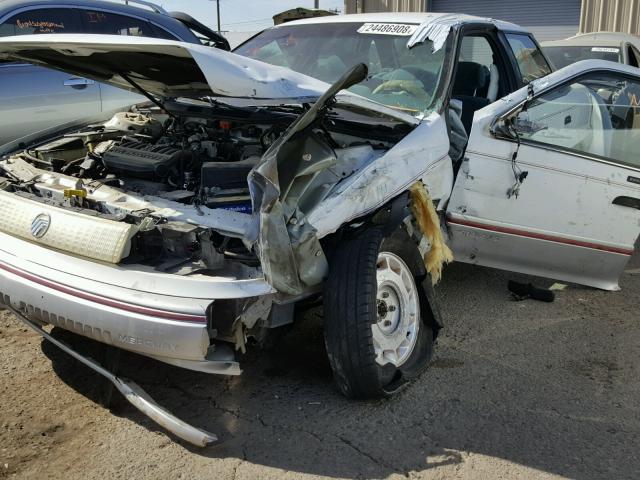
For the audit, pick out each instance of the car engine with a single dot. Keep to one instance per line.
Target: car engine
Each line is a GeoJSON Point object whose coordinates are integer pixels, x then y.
{"type": "Point", "coordinates": [190, 160]}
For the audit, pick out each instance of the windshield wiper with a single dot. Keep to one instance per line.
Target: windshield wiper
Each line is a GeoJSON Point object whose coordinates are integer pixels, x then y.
{"type": "Point", "coordinates": [153, 99]}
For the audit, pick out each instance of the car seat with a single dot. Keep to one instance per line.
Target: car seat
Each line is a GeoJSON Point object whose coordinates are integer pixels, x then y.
{"type": "Point", "coordinates": [470, 87]}
{"type": "Point", "coordinates": [494, 83]}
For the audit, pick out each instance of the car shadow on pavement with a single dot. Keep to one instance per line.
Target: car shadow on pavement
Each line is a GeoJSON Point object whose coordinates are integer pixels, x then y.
{"type": "Point", "coordinates": [522, 382]}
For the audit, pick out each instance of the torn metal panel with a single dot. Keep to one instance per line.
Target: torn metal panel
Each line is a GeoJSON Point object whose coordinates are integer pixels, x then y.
{"type": "Point", "coordinates": [438, 26]}
{"type": "Point", "coordinates": [436, 29]}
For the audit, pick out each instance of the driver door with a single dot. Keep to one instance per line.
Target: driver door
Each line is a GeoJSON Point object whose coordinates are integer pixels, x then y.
{"type": "Point", "coordinates": [550, 183]}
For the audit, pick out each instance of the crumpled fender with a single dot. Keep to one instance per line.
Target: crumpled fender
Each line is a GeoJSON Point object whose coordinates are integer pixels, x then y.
{"type": "Point", "coordinates": [421, 155]}
{"type": "Point", "coordinates": [291, 257]}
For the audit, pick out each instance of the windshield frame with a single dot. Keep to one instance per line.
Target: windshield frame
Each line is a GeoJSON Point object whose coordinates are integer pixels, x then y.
{"type": "Point", "coordinates": [438, 99]}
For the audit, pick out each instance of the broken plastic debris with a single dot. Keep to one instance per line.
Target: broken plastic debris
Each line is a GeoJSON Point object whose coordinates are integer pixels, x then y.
{"type": "Point", "coordinates": [557, 286]}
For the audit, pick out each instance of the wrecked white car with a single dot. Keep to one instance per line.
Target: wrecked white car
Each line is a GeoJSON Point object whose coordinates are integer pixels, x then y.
{"type": "Point", "coordinates": [184, 229]}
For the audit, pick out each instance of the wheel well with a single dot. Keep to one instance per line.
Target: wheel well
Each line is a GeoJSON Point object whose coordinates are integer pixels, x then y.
{"type": "Point", "coordinates": [390, 218]}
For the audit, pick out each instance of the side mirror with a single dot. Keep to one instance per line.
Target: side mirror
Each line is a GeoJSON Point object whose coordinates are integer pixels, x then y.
{"type": "Point", "coordinates": [519, 123]}
{"type": "Point", "coordinates": [503, 127]}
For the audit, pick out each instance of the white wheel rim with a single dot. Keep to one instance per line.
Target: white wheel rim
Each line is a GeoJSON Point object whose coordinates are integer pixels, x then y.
{"type": "Point", "coordinates": [398, 311]}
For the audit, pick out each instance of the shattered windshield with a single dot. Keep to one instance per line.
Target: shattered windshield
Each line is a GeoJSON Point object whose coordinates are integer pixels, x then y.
{"type": "Point", "coordinates": [563, 56]}
{"type": "Point", "coordinates": [399, 77]}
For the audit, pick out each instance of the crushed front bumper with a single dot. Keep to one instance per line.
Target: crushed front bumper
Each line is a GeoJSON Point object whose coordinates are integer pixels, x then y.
{"type": "Point", "coordinates": [162, 316]}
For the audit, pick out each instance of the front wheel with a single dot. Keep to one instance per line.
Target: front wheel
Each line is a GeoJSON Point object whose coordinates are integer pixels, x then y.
{"type": "Point", "coordinates": [375, 332]}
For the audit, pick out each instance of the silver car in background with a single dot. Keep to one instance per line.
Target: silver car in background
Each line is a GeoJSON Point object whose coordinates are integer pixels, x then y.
{"type": "Point", "coordinates": [611, 46]}
{"type": "Point", "coordinates": [33, 98]}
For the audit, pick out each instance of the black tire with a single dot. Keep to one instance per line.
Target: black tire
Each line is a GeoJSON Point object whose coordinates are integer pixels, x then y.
{"type": "Point", "coordinates": [350, 306]}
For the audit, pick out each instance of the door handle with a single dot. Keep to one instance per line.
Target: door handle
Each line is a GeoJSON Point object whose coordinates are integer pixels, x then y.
{"type": "Point", "coordinates": [78, 82]}
{"type": "Point", "coordinates": [630, 202]}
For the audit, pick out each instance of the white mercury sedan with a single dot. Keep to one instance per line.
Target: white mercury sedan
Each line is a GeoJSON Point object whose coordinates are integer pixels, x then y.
{"type": "Point", "coordinates": [340, 159]}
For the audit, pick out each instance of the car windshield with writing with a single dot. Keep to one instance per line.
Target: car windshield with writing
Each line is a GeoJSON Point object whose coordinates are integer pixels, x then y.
{"type": "Point", "coordinates": [400, 77]}
{"type": "Point", "coordinates": [38, 21]}
{"type": "Point", "coordinates": [562, 56]}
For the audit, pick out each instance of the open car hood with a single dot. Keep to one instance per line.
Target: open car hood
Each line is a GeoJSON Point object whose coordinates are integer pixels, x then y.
{"type": "Point", "coordinates": [170, 69]}
{"type": "Point", "coordinates": [164, 68]}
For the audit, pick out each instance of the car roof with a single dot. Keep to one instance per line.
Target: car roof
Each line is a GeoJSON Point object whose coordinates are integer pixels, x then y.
{"type": "Point", "coordinates": [595, 39]}
{"type": "Point", "coordinates": [407, 17]}
{"type": "Point", "coordinates": [7, 7]}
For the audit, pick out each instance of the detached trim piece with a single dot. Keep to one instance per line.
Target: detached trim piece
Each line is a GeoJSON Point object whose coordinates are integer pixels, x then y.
{"type": "Point", "coordinates": [109, 302]}
{"type": "Point", "coordinates": [540, 236]}
{"type": "Point", "coordinates": [132, 392]}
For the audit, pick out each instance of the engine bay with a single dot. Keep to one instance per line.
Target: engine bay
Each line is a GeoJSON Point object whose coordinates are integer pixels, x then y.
{"type": "Point", "coordinates": [180, 178]}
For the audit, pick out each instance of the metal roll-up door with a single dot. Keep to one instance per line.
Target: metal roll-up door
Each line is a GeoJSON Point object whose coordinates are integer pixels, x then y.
{"type": "Point", "coordinates": [546, 19]}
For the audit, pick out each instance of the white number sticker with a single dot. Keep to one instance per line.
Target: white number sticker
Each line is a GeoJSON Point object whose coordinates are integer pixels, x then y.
{"type": "Point", "coordinates": [605, 49]}
{"type": "Point", "coordinates": [388, 29]}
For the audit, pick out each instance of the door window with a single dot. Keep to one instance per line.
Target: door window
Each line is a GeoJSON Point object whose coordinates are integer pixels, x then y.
{"type": "Point", "coordinates": [531, 62]}
{"type": "Point", "coordinates": [114, 24]}
{"type": "Point", "coordinates": [477, 74]}
{"type": "Point", "coordinates": [477, 50]}
{"type": "Point", "coordinates": [596, 115]}
{"type": "Point", "coordinates": [45, 20]}
{"type": "Point", "coordinates": [477, 81]}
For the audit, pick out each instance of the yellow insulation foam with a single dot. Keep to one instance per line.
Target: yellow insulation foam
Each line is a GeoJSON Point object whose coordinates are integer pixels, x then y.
{"type": "Point", "coordinates": [429, 223]}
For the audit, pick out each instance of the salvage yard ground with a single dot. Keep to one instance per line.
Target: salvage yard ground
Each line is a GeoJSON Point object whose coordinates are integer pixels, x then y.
{"type": "Point", "coordinates": [516, 390]}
